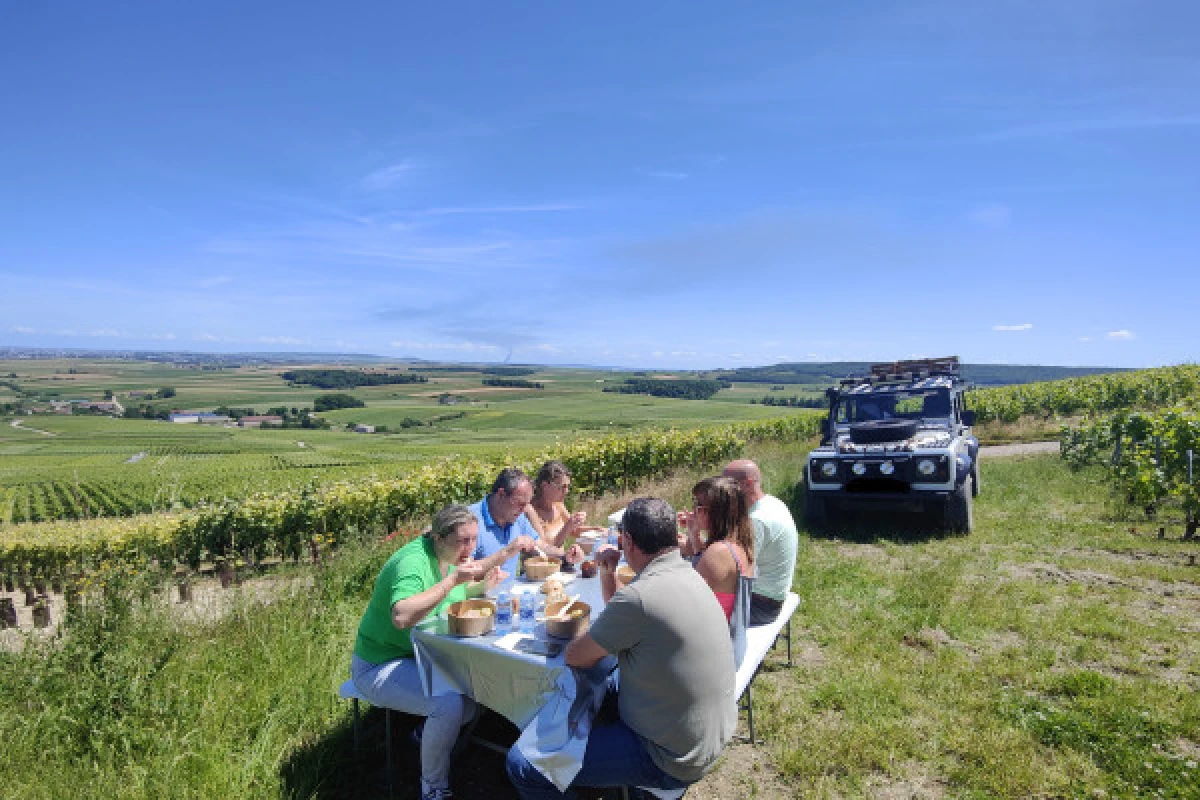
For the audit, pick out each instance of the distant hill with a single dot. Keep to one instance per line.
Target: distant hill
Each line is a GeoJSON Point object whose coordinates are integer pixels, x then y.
{"type": "Point", "coordinates": [830, 371]}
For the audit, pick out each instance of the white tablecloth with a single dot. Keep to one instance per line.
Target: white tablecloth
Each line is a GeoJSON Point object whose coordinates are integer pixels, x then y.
{"type": "Point", "coordinates": [537, 693]}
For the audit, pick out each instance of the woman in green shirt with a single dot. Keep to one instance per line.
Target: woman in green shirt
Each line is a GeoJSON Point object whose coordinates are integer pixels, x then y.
{"type": "Point", "coordinates": [420, 579]}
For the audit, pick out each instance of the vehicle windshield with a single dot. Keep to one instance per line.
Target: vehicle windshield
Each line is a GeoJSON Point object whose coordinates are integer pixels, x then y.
{"type": "Point", "coordinates": [917, 404]}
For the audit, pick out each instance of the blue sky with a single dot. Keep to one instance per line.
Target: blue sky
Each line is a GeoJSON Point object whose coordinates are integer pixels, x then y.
{"type": "Point", "coordinates": [668, 184]}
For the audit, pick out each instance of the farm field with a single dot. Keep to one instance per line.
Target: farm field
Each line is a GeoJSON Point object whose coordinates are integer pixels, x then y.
{"type": "Point", "coordinates": [1053, 653]}
{"type": "Point", "coordinates": [82, 466]}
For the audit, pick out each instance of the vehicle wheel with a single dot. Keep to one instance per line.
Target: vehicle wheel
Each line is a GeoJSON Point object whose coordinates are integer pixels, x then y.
{"type": "Point", "coordinates": [960, 514]}
{"type": "Point", "coordinates": [975, 479]}
{"type": "Point", "coordinates": [815, 515]}
{"type": "Point", "coordinates": [883, 430]}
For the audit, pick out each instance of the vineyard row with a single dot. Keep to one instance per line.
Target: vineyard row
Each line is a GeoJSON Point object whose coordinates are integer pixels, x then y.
{"type": "Point", "coordinates": [1151, 458]}
{"type": "Point", "coordinates": [292, 523]}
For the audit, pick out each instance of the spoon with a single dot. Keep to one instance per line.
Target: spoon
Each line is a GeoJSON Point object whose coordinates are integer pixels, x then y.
{"type": "Point", "coordinates": [562, 612]}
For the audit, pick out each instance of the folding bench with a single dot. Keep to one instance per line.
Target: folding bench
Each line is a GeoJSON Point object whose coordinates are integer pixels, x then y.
{"type": "Point", "coordinates": [759, 641]}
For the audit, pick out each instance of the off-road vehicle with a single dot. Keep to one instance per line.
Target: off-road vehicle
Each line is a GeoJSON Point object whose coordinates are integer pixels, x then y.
{"type": "Point", "coordinates": [898, 439]}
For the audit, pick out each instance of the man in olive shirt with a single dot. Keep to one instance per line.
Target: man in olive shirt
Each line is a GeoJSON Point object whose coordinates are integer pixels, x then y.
{"type": "Point", "coordinates": [676, 701]}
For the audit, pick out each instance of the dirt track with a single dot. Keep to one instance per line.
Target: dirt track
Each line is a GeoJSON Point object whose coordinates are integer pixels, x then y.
{"type": "Point", "coordinates": [1026, 448]}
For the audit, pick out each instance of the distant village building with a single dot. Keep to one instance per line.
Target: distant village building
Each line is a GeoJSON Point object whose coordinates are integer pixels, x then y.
{"type": "Point", "coordinates": [207, 418]}
{"type": "Point", "coordinates": [69, 406]}
{"type": "Point", "coordinates": [364, 428]}
{"type": "Point", "coordinates": [260, 421]}
{"type": "Point", "coordinates": [184, 417]}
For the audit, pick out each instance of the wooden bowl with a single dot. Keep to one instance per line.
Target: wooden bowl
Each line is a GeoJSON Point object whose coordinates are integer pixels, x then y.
{"type": "Point", "coordinates": [471, 617]}
{"type": "Point", "coordinates": [539, 568]}
{"type": "Point", "coordinates": [625, 573]}
{"type": "Point", "coordinates": [571, 627]}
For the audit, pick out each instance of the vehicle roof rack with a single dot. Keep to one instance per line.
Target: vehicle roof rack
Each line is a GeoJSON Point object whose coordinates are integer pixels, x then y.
{"type": "Point", "coordinates": [906, 371]}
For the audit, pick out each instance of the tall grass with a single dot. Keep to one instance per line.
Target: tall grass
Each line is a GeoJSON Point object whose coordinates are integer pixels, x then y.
{"type": "Point", "coordinates": [1052, 653]}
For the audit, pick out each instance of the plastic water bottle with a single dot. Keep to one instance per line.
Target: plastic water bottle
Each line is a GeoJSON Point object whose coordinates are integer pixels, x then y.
{"type": "Point", "coordinates": [526, 620]}
{"type": "Point", "coordinates": [503, 611]}
{"type": "Point", "coordinates": [614, 538]}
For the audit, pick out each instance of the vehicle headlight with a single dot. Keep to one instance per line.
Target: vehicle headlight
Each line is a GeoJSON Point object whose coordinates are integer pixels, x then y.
{"type": "Point", "coordinates": [887, 468]}
{"type": "Point", "coordinates": [927, 466]}
{"type": "Point", "coordinates": [859, 468]}
{"type": "Point", "coordinates": [829, 469]}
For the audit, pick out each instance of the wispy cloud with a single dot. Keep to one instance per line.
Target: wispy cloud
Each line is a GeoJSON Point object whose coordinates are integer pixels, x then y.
{"type": "Point", "coordinates": [1024, 326]}
{"type": "Point", "coordinates": [531, 208]}
{"type": "Point", "coordinates": [1120, 336]}
{"type": "Point", "coordinates": [1086, 125]}
{"type": "Point", "coordinates": [23, 329]}
{"type": "Point", "coordinates": [455, 346]}
{"type": "Point", "coordinates": [206, 337]}
{"type": "Point", "coordinates": [388, 176]}
{"type": "Point", "coordinates": [107, 332]}
{"type": "Point", "coordinates": [279, 340]}
{"type": "Point", "coordinates": [670, 175]}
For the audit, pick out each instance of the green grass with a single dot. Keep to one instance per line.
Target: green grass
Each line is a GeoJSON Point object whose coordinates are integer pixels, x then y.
{"type": "Point", "coordinates": [1052, 653]}
{"type": "Point", "coordinates": [1004, 663]}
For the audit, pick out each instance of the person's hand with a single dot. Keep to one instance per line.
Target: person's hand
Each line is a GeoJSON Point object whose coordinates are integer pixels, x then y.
{"type": "Point", "coordinates": [468, 572]}
{"type": "Point", "coordinates": [575, 554]}
{"type": "Point", "coordinates": [525, 544]}
{"type": "Point", "coordinates": [495, 577]}
{"type": "Point", "coordinates": [683, 518]}
{"type": "Point", "coordinates": [607, 557]}
{"type": "Point", "coordinates": [574, 523]}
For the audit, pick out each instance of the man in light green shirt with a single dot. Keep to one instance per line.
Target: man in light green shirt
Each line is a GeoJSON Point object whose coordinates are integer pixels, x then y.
{"type": "Point", "coordinates": [775, 542]}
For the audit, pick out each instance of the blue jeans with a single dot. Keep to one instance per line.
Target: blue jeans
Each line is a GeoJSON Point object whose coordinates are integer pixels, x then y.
{"type": "Point", "coordinates": [396, 685]}
{"type": "Point", "coordinates": [615, 757]}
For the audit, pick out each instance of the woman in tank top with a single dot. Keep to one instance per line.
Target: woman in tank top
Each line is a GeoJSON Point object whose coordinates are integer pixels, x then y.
{"type": "Point", "coordinates": [547, 512]}
{"type": "Point", "coordinates": [726, 558]}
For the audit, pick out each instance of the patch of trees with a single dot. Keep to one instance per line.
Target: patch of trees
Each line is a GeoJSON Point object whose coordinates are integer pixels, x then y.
{"type": "Point", "coordinates": [679, 388]}
{"type": "Point", "coordinates": [508, 372]}
{"type": "Point", "coordinates": [165, 392]}
{"type": "Point", "coordinates": [828, 373]}
{"type": "Point", "coordinates": [334, 401]}
{"type": "Point", "coordinates": [349, 378]}
{"type": "Point", "coordinates": [513, 383]}
{"type": "Point", "coordinates": [234, 413]}
{"type": "Point", "coordinates": [146, 411]}
{"type": "Point", "coordinates": [296, 417]}
{"type": "Point", "coordinates": [793, 401]}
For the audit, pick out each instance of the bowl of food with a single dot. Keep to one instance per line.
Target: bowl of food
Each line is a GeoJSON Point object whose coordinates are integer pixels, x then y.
{"type": "Point", "coordinates": [625, 573]}
{"type": "Point", "coordinates": [553, 589]}
{"type": "Point", "coordinates": [566, 619]}
{"type": "Point", "coordinates": [471, 617]}
{"type": "Point", "coordinates": [538, 568]}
